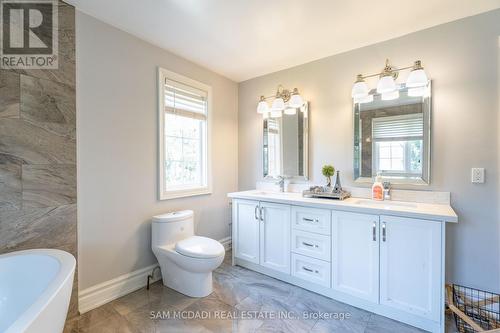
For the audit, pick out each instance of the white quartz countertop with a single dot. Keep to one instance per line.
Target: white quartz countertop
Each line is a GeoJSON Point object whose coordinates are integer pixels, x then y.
{"type": "Point", "coordinates": [430, 211]}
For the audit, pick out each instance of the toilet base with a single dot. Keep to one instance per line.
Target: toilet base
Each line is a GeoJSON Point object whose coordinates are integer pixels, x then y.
{"type": "Point", "coordinates": [187, 283]}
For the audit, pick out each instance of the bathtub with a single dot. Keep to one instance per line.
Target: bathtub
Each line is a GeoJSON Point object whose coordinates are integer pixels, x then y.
{"type": "Point", "coordinates": [35, 288]}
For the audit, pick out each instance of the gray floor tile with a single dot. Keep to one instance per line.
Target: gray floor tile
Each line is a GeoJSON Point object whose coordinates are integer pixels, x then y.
{"type": "Point", "coordinates": [237, 291]}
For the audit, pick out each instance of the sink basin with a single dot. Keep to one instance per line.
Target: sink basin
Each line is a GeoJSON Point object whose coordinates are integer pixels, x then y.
{"type": "Point", "coordinates": [386, 204]}
{"type": "Point", "coordinates": [259, 192]}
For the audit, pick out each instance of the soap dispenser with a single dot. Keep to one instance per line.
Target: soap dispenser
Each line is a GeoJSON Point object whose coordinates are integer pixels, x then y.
{"type": "Point", "coordinates": [378, 188]}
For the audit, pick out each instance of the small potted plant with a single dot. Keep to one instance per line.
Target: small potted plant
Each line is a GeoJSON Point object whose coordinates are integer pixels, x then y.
{"type": "Point", "coordinates": [328, 171]}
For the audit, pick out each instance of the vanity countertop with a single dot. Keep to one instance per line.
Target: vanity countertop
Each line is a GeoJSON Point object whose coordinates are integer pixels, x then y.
{"type": "Point", "coordinates": [442, 212]}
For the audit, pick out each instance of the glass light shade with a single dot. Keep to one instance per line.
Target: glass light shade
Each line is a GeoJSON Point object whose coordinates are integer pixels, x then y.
{"type": "Point", "coordinates": [366, 99]}
{"type": "Point", "coordinates": [390, 95]}
{"type": "Point", "coordinates": [278, 105]}
{"type": "Point", "coordinates": [386, 84]}
{"type": "Point", "coordinates": [290, 111]}
{"type": "Point", "coordinates": [417, 78]}
{"type": "Point", "coordinates": [276, 114]}
{"type": "Point", "coordinates": [416, 92]}
{"type": "Point", "coordinates": [265, 115]}
{"type": "Point", "coordinates": [359, 90]}
{"type": "Point", "coordinates": [295, 101]}
{"type": "Point", "coordinates": [263, 107]}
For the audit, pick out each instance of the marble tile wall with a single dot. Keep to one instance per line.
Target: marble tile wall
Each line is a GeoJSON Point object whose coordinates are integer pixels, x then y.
{"type": "Point", "coordinates": [38, 153]}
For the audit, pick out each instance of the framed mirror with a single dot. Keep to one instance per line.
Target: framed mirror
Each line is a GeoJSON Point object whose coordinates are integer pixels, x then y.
{"type": "Point", "coordinates": [392, 136]}
{"type": "Point", "coordinates": [285, 145]}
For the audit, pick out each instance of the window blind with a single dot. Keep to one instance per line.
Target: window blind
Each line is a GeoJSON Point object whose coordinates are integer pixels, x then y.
{"type": "Point", "coordinates": [273, 125]}
{"type": "Point", "coordinates": [404, 126]}
{"type": "Point", "coordinates": [186, 101]}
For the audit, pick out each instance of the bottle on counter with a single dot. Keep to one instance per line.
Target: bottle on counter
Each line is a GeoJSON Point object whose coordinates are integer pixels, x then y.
{"type": "Point", "coordinates": [378, 188]}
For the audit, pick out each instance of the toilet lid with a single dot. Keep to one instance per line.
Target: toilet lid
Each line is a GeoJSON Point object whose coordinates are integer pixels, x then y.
{"type": "Point", "coordinates": [199, 247]}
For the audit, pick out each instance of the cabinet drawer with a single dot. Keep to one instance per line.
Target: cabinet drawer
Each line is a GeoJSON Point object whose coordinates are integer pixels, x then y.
{"type": "Point", "coordinates": [310, 244]}
{"type": "Point", "coordinates": [311, 270]}
{"type": "Point", "coordinates": [311, 219]}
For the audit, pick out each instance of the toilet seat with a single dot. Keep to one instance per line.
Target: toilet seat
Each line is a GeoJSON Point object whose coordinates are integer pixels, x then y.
{"type": "Point", "coordinates": [200, 247]}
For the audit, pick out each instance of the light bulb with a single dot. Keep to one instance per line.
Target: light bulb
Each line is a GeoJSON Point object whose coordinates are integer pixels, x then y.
{"type": "Point", "coordinates": [366, 99]}
{"type": "Point", "coordinates": [276, 114]}
{"type": "Point", "coordinates": [278, 104]}
{"type": "Point", "coordinates": [386, 84]}
{"type": "Point", "coordinates": [390, 95]}
{"type": "Point", "coordinates": [265, 115]}
{"type": "Point", "coordinates": [290, 111]}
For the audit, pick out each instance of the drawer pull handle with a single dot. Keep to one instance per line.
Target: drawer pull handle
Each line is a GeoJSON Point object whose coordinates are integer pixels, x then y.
{"type": "Point", "coordinates": [309, 244]}
{"type": "Point", "coordinates": [310, 220]}
{"type": "Point", "coordinates": [309, 270]}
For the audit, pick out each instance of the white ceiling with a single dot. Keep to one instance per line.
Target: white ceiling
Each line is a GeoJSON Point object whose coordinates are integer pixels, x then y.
{"type": "Point", "coordinates": [242, 39]}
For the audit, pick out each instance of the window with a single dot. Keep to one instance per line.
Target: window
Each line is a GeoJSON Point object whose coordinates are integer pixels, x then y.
{"type": "Point", "coordinates": [184, 168]}
{"type": "Point", "coordinates": [397, 145]}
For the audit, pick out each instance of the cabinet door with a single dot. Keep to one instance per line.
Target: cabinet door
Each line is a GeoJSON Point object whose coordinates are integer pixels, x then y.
{"type": "Point", "coordinates": [355, 250]}
{"type": "Point", "coordinates": [275, 237]}
{"type": "Point", "coordinates": [410, 265]}
{"type": "Point", "coordinates": [246, 230]}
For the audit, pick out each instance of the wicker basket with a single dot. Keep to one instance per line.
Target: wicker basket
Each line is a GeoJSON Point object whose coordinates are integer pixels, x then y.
{"type": "Point", "coordinates": [474, 310]}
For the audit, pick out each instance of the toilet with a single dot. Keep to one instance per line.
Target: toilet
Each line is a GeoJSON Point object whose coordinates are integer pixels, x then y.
{"type": "Point", "coordinates": [186, 260]}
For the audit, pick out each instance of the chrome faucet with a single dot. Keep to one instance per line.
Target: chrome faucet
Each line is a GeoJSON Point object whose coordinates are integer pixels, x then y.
{"type": "Point", "coordinates": [387, 190]}
{"type": "Point", "coordinates": [281, 183]}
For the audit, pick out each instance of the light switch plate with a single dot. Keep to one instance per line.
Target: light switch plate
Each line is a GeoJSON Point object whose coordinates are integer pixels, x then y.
{"type": "Point", "coordinates": [477, 175]}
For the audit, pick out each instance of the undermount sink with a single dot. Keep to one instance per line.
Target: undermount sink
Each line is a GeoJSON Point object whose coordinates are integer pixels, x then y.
{"type": "Point", "coordinates": [258, 192]}
{"type": "Point", "coordinates": [385, 203]}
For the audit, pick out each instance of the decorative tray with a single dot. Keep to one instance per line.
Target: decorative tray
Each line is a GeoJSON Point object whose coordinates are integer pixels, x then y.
{"type": "Point", "coordinates": [325, 193]}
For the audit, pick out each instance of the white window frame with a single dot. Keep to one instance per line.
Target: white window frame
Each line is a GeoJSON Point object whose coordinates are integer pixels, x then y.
{"type": "Point", "coordinates": [163, 192]}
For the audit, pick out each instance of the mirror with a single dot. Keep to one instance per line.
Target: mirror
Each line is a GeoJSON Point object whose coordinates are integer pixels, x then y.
{"type": "Point", "coordinates": [392, 136]}
{"type": "Point", "coordinates": [285, 144]}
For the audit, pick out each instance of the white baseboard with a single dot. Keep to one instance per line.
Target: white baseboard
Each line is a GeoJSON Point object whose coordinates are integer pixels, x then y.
{"type": "Point", "coordinates": [102, 293]}
{"type": "Point", "coordinates": [226, 242]}
{"type": "Point", "coordinates": [108, 291]}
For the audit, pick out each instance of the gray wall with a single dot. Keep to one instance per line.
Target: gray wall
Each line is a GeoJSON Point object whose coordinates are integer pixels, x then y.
{"type": "Point", "coordinates": [117, 150]}
{"type": "Point", "coordinates": [462, 59]}
{"type": "Point", "coordinates": [38, 153]}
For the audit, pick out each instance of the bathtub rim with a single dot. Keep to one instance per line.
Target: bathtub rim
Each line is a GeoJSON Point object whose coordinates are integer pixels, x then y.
{"type": "Point", "coordinates": [66, 271]}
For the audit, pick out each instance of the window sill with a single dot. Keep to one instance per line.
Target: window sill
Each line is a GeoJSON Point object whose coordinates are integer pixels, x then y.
{"type": "Point", "coordinates": [169, 195]}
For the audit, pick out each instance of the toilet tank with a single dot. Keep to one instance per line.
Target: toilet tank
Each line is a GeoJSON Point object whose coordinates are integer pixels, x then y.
{"type": "Point", "coordinates": [171, 227]}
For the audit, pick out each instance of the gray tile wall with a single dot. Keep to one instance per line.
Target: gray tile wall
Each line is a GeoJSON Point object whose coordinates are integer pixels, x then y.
{"type": "Point", "coordinates": [38, 153]}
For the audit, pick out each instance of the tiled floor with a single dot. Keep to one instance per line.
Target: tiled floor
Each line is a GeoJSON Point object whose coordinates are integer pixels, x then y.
{"type": "Point", "coordinates": [236, 290]}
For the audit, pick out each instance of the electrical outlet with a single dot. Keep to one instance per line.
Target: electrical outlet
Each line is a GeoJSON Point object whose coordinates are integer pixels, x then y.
{"type": "Point", "coordinates": [477, 175]}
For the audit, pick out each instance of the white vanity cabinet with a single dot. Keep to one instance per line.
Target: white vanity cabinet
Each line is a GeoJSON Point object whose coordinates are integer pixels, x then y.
{"type": "Point", "coordinates": [410, 265]}
{"type": "Point", "coordinates": [386, 260]}
{"type": "Point", "coordinates": [275, 236]}
{"type": "Point", "coordinates": [262, 234]}
{"type": "Point", "coordinates": [355, 254]}
{"type": "Point", "coordinates": [246, 231]}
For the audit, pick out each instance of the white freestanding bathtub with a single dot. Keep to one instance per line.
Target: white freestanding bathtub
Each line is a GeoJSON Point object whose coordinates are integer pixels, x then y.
{"type": "Point", "coordinates": [35, 289]}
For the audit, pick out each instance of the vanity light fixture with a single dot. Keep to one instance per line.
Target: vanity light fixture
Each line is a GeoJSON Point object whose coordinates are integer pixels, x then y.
{"type": "Point", "coordinates": [387, 82]}
{"type": "Point", "coordinates": [284, 102]}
